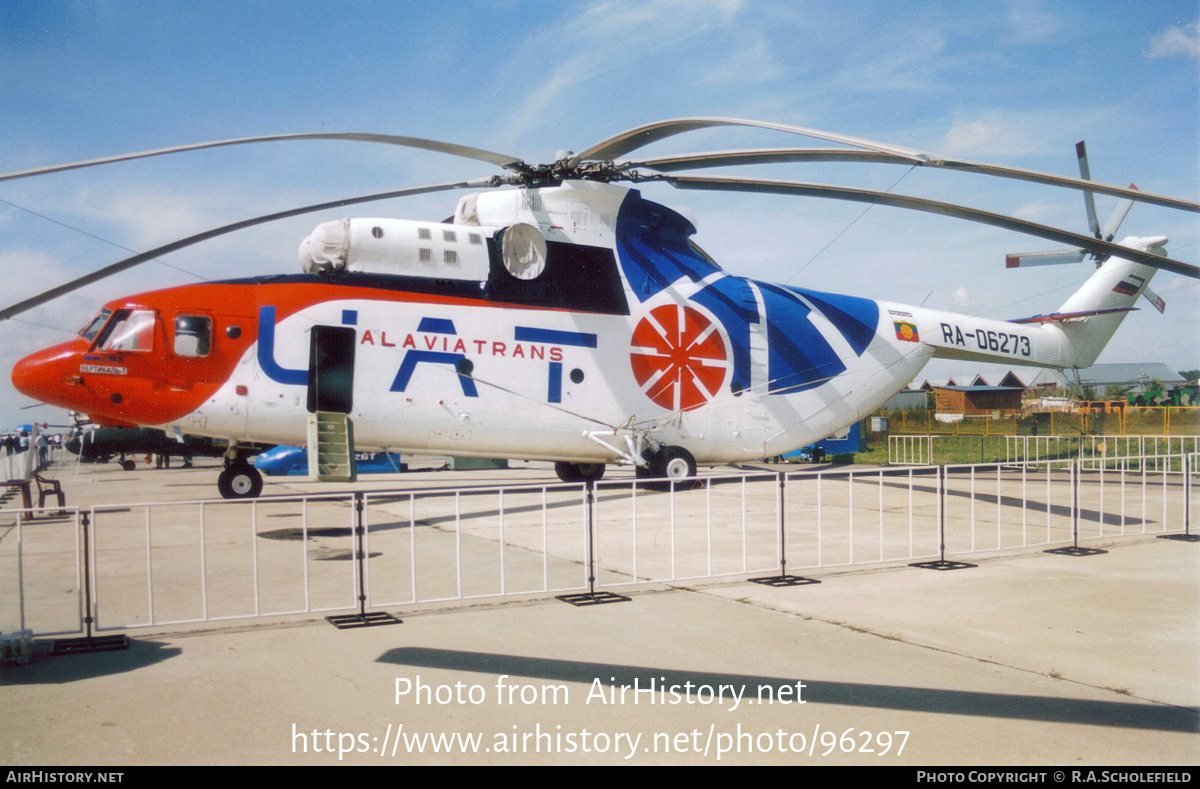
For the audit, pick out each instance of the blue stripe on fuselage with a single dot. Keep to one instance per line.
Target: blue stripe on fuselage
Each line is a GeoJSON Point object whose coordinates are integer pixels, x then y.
{"type": "Point", "coordinates": [857, 319]}
{"type": "Point", "coordinates": [732, 301]}
{"type": "Point", "coordinates": [653, 248]}
{"type": "Point", "coordinates": [799, 358]}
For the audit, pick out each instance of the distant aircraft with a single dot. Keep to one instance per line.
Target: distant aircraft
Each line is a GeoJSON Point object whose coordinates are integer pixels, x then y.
{"type": "Point", "coordinates": [104, 443]}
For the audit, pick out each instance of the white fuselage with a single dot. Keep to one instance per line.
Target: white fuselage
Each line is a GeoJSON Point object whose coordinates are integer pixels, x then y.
{"type": "Point", "coordinates": [759, 369]}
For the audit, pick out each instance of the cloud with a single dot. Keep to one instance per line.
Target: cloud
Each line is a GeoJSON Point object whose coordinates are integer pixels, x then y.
{"type": "Point", "coordinates": [533, 107]}
{"type": "Point", "coordinates": [138, 218]}
{"type": "Point", "coordinates": [914, 65]}
{"type": "Point", "coordinates": [38, 271]}
{"type": "Point", "coordinates": [974, 135]}
{"type": "Point", "coordinates": [1032, 24]}
{"type": "Point", "coordinates": [608, 35]}
{"type": "Point", "coordinates": [1176, 285]}
{"type": "Point", "coordinates": [1016, 133]}
{"type": "Point", "coordinates": [962, 298]}
{"type": "Point", "coordinates": [1182, 41]}
{"type": "Point", "coordinates": [752, 64]}
{"type": "Point", "coordinates": [608, 18]}
{"type": "Point", "coordinates": [150, 216]}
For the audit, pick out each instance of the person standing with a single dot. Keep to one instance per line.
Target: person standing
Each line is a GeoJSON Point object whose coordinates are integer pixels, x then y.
{"type": "Point", "coordinates": [43, 451]}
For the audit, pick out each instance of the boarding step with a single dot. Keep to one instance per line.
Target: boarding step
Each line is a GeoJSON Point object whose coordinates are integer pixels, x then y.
{"type": "Point", "coordinates": [330, 447]}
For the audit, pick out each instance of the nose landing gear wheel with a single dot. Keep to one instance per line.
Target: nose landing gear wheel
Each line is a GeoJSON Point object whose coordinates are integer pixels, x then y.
{"type": "Point", "coordinates": [240, 481]}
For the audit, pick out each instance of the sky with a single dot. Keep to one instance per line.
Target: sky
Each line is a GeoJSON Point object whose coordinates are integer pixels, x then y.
{"type": "Point", "coordinates": [1014, 82]}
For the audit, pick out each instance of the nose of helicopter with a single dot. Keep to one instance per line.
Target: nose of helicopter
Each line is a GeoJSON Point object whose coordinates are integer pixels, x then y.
{"type": "Point", "coordinates": [42, 375]}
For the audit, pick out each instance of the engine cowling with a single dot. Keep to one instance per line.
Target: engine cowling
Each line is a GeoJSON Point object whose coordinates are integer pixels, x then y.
{"type": "Point", "coordinates": [399, 247]}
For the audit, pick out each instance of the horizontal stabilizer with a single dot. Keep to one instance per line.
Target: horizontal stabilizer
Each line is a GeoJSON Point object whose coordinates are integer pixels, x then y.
{"type": "Point", "coordinates": [1154, 299]}
{"type": "Point", "coordinates": [1044, 258]}
{"type": "Point", "coordinates": [1067, 316]}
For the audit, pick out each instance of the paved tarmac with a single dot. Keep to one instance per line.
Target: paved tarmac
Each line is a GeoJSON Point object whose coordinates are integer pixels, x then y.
{"type": "Point", "coordinates": [1028, 658]}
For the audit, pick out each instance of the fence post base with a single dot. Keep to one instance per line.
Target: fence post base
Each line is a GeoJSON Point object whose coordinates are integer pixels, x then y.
{"type": "Point", "coordinates": [80, 646]}
{"type": "Point", "coordinates": [585, 599]}
{"type": "Point", "coordinates": [784, 580]}
{"type": "Point", "coordinates": [369, 619]}
{"type": "Point", "coordinates": [943, 564]}
{"type": "Point", "coordinates": [1075, 550]}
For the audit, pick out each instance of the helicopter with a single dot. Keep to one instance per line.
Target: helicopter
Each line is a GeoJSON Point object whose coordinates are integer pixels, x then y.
{"type": "Point", "coordinates": [558, 315]}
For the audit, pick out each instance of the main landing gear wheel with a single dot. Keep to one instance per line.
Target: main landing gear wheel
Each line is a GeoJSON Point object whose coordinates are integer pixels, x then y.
{"type": "Point", "coordinates": [579, 472]}
{"type": "Point", "coordinates": [675, 464]}
{"type": "Point", "coordinates": [240, 481]}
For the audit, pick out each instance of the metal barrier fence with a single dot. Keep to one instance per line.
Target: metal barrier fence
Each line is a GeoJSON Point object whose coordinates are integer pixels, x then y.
{"type": "Point", "coordinates": [1128, 448]}
{"type": "Point", "coordinates": [158, 564]}
{"type": "Point", "coordinates": [41, 572]}
{"type": "Point", "coordinates": [458, 544]}
{"type": "Point", "coordinates": [18, 465]}
{"type": "Point", "coordinates": [1032, 449]}
{"type": "Point", "coordinates": [911, 450]}
{"type": "Point", "coordinates": [922, 450]}
{"type": "Point", "coordinates": [1121, 420]}
{"type": "Point", "coordinates": [934, 449]}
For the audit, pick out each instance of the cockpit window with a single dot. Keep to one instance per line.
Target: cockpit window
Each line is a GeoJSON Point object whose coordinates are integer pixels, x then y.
{"type": "Point", "coordinates": [90, 331]}
{"type": "Point", "coordinates": [193, 335]}
{"type": "Point", "coordinates": [129, 330]}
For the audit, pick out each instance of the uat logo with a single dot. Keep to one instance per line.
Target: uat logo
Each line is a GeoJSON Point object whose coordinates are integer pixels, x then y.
{"type": "Point", "coordinates": [679, 358]}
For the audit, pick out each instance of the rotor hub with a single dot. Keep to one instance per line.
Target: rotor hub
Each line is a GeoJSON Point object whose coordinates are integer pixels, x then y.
{"type": "Point", "coordinates": [567, 169]}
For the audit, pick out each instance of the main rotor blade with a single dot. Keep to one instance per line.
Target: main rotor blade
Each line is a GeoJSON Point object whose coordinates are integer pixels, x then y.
{"type": "Point", "coordinates": [932, 207]}
{"type": "Point", "coordinates": [1089, 200]}
{"type": "Point", "coordinates": [130, 262]}
{"type": "Point", "coordinates": [641, 136]}
{"type": "Point", "coordinates": [669, 164]}
{"type": "Point", "coordinates": [498, 159]}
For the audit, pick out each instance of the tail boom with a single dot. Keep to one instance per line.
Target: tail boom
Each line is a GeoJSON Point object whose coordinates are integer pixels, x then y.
{"type": "Point", "coordinates": [1071, 337]}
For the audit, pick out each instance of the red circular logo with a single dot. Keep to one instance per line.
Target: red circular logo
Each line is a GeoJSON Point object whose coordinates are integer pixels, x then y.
{"type": "Point", "coordinates": [678, 356]}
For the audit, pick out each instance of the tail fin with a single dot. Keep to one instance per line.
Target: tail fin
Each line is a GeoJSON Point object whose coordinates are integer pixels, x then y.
{"type": "Point", "coordinates": [1109, 294]}
{"type": "Point", "coordinates": [1073, 336]}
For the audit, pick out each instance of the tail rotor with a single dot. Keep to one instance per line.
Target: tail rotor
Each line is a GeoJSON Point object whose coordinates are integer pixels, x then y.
{"type": "Point", "coordinates": [1107, 233]}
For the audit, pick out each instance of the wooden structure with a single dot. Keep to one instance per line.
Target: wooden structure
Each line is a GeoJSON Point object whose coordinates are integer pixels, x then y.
{"type": "Point", "coordinates": [978, 400]}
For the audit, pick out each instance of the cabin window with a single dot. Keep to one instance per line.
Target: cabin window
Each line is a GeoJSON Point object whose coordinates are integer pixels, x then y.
{"type": "Point", "coordinates": [90, 331]}
{"type": "Point", "coordinates": [129, 330]}
{"type": "Point", "coordinates": [193, 335]}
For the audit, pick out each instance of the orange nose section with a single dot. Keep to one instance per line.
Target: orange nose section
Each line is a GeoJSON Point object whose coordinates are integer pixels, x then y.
{"type": "Point", "coordinates": [64, 376]}
{"type": "Point", "coordinates": [45, 375]}
{"type": "Point", "coordinates": [115, 389]}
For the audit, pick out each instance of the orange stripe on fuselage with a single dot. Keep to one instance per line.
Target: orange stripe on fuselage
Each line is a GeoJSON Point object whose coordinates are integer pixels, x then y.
{"type": "Point", "coordinates": [160, 387]}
